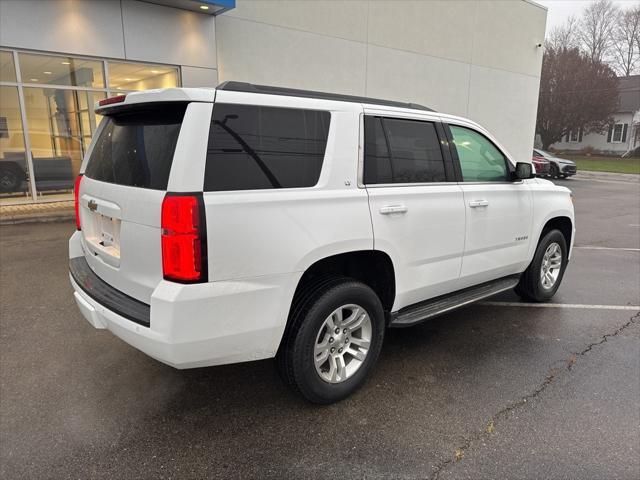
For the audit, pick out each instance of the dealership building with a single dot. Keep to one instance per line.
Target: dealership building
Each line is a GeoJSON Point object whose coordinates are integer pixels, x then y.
{"type": "Point", "coordinates": [476, 58]}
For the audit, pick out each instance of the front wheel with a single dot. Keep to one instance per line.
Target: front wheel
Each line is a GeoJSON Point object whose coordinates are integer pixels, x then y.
{"type": "Point", "coordinates": [333, 341]}
{"type": "Point", "coordinates": [542, 278]}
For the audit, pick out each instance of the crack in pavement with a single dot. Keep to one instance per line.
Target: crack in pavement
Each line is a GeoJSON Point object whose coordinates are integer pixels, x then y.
{"type": "Point", "coordinates": [551, 376]}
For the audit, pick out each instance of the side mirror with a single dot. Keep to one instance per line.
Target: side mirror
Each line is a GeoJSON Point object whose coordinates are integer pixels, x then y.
{"type": "Point", "coordinates": [523, 171]}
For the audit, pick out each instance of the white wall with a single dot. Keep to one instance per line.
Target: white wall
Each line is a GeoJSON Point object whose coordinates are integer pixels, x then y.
{"type": "Point", "coordinates": [475, 58]}
{"type": "Point", "coordinates": [598, 141]}
{"type": "Point", "coordinates": [127, 29]}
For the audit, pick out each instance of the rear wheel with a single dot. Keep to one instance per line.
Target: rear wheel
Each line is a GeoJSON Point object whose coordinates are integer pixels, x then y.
{"type": "Point", "coordinates": [333, 341]}
{"type": "Point", "coordinates": [9, 180]}
{"type": "Point", "coordinates": [541, 279]}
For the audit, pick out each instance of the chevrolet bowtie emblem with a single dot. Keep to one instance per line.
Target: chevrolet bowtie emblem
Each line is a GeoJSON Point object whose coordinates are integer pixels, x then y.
{"type": "Point", "coordinates": [93, 206]}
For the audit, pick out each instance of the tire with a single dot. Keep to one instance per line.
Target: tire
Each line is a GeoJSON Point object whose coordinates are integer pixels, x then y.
{"type": "Point", "coordinates": [308, 333]}
{"type": "Point", "coordinates": [9, 180]}
{"type": "Point", "coordinates": [532, 285]}
{"type": "Point", "coordinates": [553, 171]}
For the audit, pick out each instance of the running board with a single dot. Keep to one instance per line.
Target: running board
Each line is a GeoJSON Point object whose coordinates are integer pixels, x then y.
{"type": "Point", "coordinates": [422, 311]}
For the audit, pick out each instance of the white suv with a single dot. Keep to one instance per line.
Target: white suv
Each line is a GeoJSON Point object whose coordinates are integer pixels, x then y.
{"type": "Point", "coordinates": [249, 222]}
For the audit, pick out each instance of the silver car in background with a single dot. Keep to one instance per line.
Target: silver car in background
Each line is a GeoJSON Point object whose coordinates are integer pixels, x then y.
{"type": "Point", "coordinates": [560, 167]}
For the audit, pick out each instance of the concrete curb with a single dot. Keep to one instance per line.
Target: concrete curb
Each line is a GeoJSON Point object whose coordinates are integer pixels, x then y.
{"type": "Point", "coordinates": [37, 212]}
{"type": "Point", "coordinates": [621, 177]}
{"type": "Point", "coordinates": [37, 218]}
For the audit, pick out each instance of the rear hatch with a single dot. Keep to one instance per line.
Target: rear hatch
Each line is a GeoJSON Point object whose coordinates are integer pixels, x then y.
{"type": "Point", "coordinates": [120, 196]}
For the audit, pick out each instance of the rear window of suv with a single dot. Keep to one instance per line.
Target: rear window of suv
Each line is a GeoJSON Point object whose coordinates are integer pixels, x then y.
{"type": "Point", "coordinates": [256, 147]}
{"type": "Point", "coordinates": [136, 147]}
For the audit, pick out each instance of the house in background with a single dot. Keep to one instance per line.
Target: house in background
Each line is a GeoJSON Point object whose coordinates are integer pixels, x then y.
{"type": "Point", "coordinates": [623, 134]}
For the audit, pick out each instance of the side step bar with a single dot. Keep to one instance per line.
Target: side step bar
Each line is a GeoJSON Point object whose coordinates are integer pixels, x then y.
{"type": "Point", "coordinates": [422, 311]}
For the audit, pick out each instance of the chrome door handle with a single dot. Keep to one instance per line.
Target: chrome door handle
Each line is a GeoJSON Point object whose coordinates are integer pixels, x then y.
{"type": "Point", "coordinates": [478, 203]}
{"type": "Point", "coordinates": [389, 209]}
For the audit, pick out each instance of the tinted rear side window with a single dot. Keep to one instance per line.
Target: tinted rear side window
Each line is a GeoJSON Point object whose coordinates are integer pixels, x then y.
{"type": "Point", "coordinates": [377, 164]}
{"type": "Point", "coordinates": [402, 151]}
{"type": "Point", "coordinates": [136, 147]}
{"type": "Point", "coordinates": [254, 147]}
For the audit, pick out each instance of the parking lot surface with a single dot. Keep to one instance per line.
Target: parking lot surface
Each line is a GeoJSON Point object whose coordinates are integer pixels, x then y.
{"type": "Point", "coordinates": [495, 390]}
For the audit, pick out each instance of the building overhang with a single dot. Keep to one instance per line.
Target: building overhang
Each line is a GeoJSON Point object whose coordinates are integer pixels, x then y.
{"type": "Point", "coordinates": [208, 7]}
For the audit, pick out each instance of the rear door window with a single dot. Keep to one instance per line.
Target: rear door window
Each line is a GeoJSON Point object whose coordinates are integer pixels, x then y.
{"type": "Point", "coordinates": [255, 147]}
{"type": "Point", "coordinates": [136, 147]}
{"type": "Point", "coordinates": [377, 163]}
{"type": "Point", "coordinates": [402, 151]}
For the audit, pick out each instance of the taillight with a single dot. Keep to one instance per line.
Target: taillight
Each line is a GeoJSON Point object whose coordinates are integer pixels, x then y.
{"type": "Point", "coordinates": [184, 254]}
{"type": "Point", "coordinates": [111, 100]}
{"type": "Point", "coordinates": [76, 200]}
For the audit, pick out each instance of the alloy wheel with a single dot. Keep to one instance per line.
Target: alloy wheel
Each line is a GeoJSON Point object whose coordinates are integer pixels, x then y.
{"type": "Point", "coordinates": [551, 265]}
{"type": "Point", "coordinates": [342, 343]}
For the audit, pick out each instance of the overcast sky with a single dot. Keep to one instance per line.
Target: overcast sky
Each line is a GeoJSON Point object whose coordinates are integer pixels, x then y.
{"type": "Point", "coordinates": [559, 10]}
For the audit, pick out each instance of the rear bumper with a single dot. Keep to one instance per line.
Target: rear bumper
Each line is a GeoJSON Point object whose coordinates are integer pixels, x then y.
{"type": "Point", "coordinates": [200, 324]}
{"type": "Point", "coordinates": [104, 294]}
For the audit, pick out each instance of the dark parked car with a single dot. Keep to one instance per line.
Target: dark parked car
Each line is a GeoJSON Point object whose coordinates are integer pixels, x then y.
{"type": "Point", "coordinates": [52, 173]}
{"type": "Point", "coordinates": [559, 167]}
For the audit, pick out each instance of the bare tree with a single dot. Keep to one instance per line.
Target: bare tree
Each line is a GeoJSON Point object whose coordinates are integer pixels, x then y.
{"type": "Point", "coordinates": [597, 26]}
{"type": "Point", "coordinates": [565, 35]}
{"type": "Point", "coordinates": [576, 93]}
{"type": "Point", "coordinates": [638, 37]}
{"type": "Point", "coordinates": [626, 46]}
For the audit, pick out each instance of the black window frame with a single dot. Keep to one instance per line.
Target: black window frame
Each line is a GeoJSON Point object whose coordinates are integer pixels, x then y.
{"type": "Point", "coordinates": [456, 159]}
{"type": "Point", "coordinates": [449, 168]}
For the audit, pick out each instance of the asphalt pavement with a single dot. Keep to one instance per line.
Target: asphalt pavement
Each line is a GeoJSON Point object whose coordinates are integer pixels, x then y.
{"type": "Point", "coordinates": [495, 390]}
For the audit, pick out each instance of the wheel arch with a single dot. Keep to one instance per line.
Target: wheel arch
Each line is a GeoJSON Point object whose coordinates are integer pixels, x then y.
{"type": "Point", "coordinates": [562, 223]}
{"type": "Point", "coordinates": [374, 268]}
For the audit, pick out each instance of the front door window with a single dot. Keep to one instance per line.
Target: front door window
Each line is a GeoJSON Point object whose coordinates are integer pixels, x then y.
{"type": "Point", "coordinates": [480, 160]}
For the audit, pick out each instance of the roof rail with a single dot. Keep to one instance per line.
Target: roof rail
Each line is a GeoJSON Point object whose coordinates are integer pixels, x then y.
{"type": "Point", "coordinates": [293, 92]}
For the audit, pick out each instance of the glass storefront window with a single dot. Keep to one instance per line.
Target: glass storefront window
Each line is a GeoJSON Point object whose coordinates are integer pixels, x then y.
{"type": "Point", "coordinates": [54, 70]}
{"type": "Point", "coordinates": [61, 123]}
{"type": "Point", "coordinates": [59, 94]}
{"type": "Point", "coordinates": [7, 68]}
{"type": "Point", "coordinates": [128, 76]}
{"type": "Point", "coordinates": [14, 172]}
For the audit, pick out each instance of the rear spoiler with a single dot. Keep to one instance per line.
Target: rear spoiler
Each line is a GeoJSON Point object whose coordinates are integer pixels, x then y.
{"type": "Point", "coordinates": [120, 102]}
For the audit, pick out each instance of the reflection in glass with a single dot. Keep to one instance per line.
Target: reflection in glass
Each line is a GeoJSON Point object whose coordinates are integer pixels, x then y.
{"type": "Point", "coordinates": [60, 124]}
{"type": "Point", "coordinates": [13, 161]}
{"type": "Point", "coordinates": [67, 71]}
{"type": "Point", "coordinates": [59, 114]}
{"type": "Point", "coordinates": [7, 68]}
{"type": "Point", "coordinates": [138, 76]}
